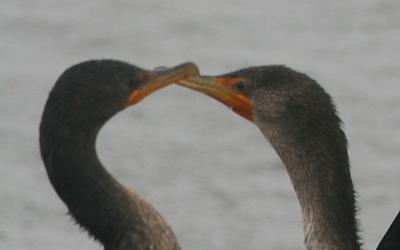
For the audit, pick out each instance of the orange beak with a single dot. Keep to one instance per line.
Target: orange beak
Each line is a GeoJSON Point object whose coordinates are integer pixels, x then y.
{"type": "Point", "coordinates": [157, 79]}
{"type": "Point", "coordinates": [222, 88]}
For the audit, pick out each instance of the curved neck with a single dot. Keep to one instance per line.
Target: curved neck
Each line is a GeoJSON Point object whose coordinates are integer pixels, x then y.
{"type": "Point", "coordinates": [116, 217]}
{"type": "Point", "coordinates": [317, 163]}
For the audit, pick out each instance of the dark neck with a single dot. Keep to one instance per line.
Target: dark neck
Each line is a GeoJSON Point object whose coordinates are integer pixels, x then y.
{"type": "Point", "coordinates": [317, 163]}
{"type": "Point", "coordinates": [119, 219]}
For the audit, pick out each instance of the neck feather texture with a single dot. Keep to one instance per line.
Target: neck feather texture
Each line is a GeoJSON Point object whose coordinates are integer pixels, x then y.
{"type": "Point", "coordinates": [317, 163]}
{"type": "Point", "coordinates": [116, 217]}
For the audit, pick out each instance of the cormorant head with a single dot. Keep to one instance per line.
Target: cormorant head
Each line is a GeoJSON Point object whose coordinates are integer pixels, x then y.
{"type": "Point", "coordinates": [268, 95]}
{"type": "Point", "coordinates": [93, 91]}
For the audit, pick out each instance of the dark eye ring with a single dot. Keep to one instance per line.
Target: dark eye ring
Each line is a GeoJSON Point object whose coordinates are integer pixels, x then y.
{"type": "Point", "coordinates": [240, 85]}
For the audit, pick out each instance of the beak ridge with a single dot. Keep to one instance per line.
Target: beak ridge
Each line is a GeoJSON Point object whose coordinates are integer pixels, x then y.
{"type": "Point", "coordinates": [221, 89]}
{"type": "Point", "coordinates": [161, 77]}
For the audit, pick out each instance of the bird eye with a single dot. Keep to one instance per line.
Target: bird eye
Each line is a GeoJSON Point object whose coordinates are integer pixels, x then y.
{"type": "Point", "coordinates": [240, 85]}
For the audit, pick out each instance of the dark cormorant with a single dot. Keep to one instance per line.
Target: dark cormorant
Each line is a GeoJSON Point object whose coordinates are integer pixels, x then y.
{"type": "Point", "coordinates": [391, 240]}
{"type": "Point", "coordinates": [83, 99]}
{"type": "Point", "coordinates": [300, 121]}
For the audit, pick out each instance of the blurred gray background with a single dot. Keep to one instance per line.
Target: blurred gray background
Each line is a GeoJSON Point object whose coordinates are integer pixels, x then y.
{"type": "Point", "coordinates": [210, 172]}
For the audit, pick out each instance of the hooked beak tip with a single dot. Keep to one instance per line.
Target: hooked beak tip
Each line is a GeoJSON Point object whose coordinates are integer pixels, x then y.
{"type": "Point", "coordinates": [161, 77]}
{"type": "Point", "coordinates": [223, 90]}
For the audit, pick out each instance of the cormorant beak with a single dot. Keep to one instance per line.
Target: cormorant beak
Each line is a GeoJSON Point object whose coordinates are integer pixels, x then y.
{"type": "Point", "coordinates": [222, 88]}
{"type": "Point", "coordinates": [159, 78]}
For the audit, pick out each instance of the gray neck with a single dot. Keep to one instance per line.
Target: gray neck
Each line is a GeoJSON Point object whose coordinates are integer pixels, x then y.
{"type": "Point", "coordinates": [116, 217]}
{"type": "Point", "coordinates": [317, 163]}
